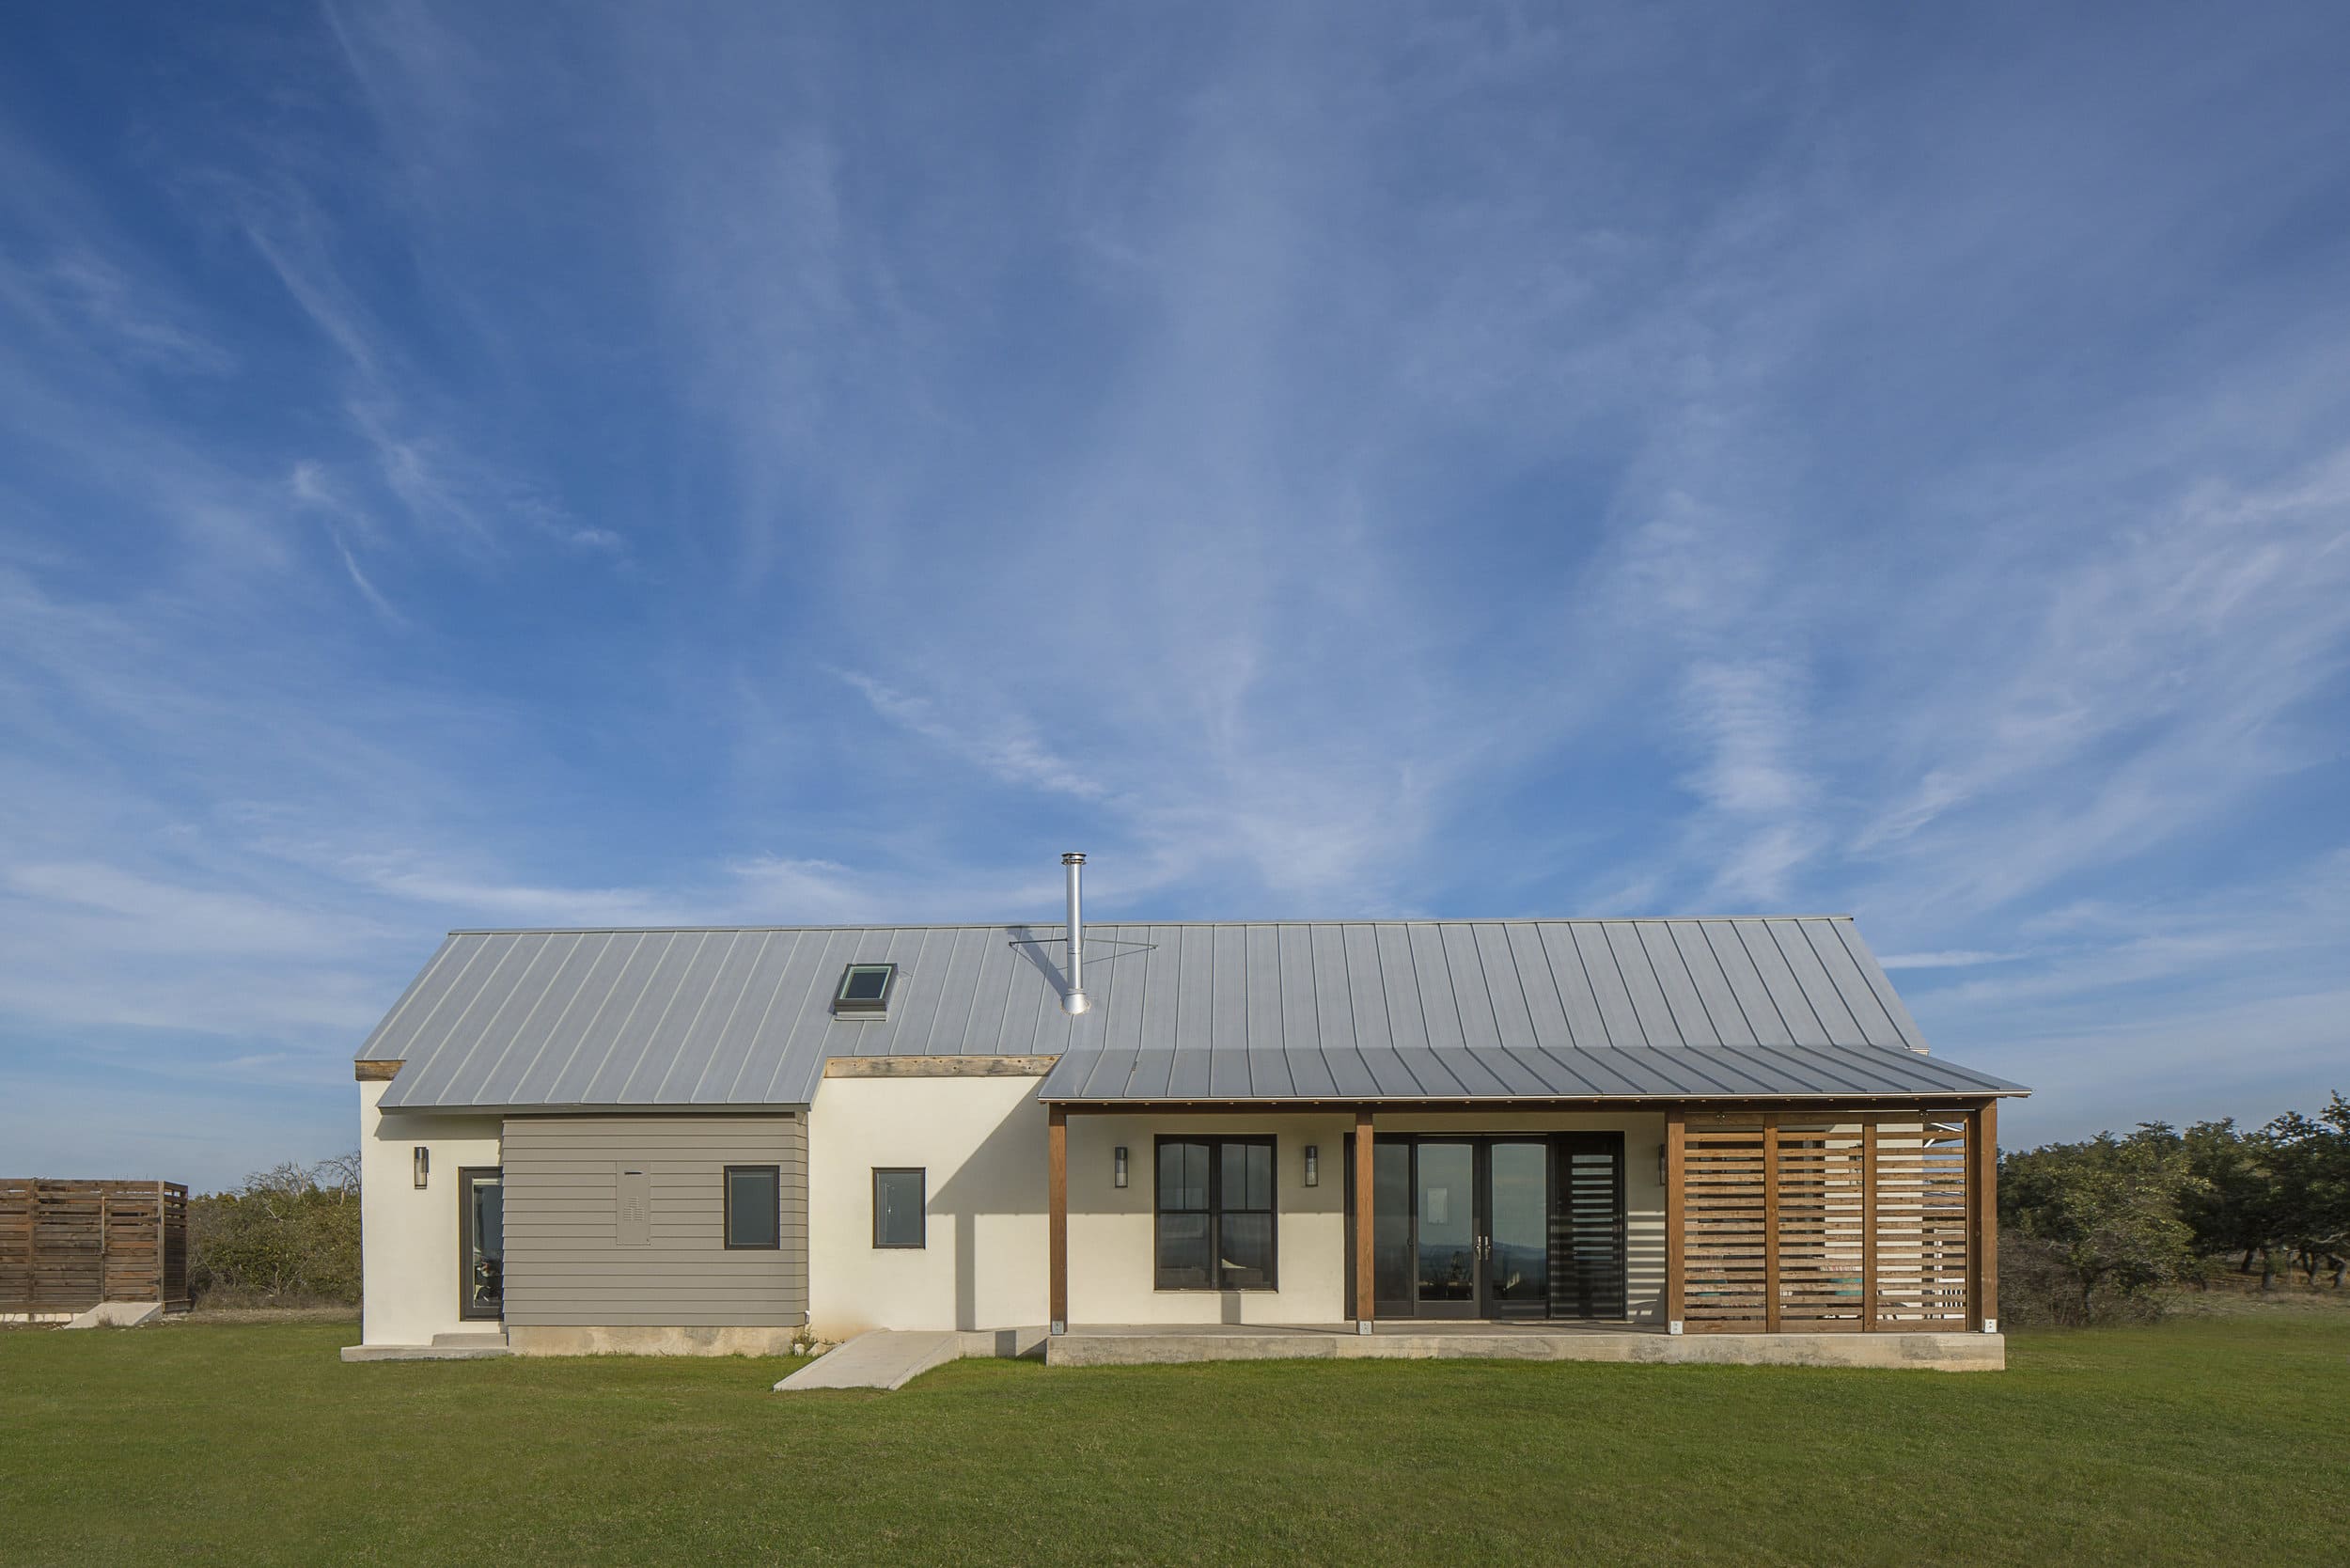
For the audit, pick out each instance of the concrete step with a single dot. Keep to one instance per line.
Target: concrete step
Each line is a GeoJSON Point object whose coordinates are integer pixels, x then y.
{"type": "Point", "coordinates": [445, 1347]}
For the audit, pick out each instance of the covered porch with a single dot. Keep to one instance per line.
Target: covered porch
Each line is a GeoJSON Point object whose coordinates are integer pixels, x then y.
{"type": "Point", "coordinates": [1773, 1228]}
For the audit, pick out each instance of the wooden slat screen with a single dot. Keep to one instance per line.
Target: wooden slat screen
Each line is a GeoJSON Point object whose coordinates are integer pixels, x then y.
{"type": "Point", "coordinates": [1723, 1244]}
{"type": "Point", "coordinates": [1858, 1223]}
{"type": "Point", "coordinates": [67, 1246]}
{"type": "Point", "coordinates": [1921, 1225]}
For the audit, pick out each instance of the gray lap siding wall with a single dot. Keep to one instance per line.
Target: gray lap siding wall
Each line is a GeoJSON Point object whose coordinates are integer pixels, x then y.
{"type": "Point", "coordinates": [565, 1265]}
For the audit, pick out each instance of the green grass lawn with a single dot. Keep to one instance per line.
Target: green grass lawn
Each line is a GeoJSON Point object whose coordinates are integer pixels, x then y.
{"type": "Point", "coordinates": [2220, 1438]}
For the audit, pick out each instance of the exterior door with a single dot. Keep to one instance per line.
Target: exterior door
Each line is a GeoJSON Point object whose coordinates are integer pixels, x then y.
{"type": "Point", "coordinates": [1514, 1189]}
{"type": "Point", "coordinates": [1462, 1226]}
{"type": "Point", "coordinates": [480, 1241]}
{"type": "Point", "coordinates": [1450, 1247]}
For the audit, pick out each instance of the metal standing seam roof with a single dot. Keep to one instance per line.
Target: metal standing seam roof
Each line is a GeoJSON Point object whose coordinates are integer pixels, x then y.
{"type": "Point", "coordinates": [1777, 1006]}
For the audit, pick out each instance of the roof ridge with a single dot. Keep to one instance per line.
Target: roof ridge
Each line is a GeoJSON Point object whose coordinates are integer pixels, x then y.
{"type": "Point", "coordinates": [1008, 925]}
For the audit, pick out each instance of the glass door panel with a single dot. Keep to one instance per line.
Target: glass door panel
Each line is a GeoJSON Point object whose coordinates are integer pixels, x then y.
{"type": "Point", "coordinates": [481, 1290]}
{"type": "Point", "coordinates": [1517, 1232]}
{"type": "Point", "coordinates": [1391, 1258]}
{"type": "Point", "coordinates": [1449, 1236]}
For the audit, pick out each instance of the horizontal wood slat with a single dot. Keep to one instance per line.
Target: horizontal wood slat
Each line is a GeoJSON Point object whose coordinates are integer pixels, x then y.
{"type": "Point", "coordinates": [66, 1246]}
{"type": "Point", "coordinates": [1805, 1225]}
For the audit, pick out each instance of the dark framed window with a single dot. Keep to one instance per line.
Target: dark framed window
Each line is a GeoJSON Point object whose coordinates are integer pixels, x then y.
{"type": "Point", "coordinates": [480, 1241]}
{"type": "Point", "coordinates": [899, 1204]}
{"type": "Point", "coordinates": [864, 989]}
{"type": "Point", "coordinates": [754, 1207]}
{"type": "Point", "coordinates": [1216, 1219]}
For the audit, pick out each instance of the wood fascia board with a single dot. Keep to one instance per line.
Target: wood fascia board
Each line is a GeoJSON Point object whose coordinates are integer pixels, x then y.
{"type": "Point", "coordinates": [938, 1067]}
{"type": "Point", "coordinates": [368, 1072]}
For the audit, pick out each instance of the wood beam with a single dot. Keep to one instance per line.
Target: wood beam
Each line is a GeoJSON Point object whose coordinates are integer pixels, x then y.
{"type": "Point", "coordinates": [1366, 1282]}
{"type": "Point", "coordinates": [939, 1067]}
{"type": "Point", "coordinates": [1057, 1216]}
{"type": "Point", "coordinates": [1676, 1217]}
{"type": "Point", "coordinates": [374, 1072]}
{"type": "Point", "coordinates": [1728, 1107]}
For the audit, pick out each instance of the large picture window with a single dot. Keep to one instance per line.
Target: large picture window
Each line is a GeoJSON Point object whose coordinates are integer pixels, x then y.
{"type": "Point", "coordinates": [1215, 1217]}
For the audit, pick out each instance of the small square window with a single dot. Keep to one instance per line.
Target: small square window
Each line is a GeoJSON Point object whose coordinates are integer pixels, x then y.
{"type": "Point", "coordinates": [754, 1207]}
{"type": "Point", "coordinates": [898, 1205]}
{"type": "Point", "coordinates": [864, 989]}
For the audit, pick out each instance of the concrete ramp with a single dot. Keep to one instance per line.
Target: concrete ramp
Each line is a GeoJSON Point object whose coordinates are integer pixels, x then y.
{"type": "Point", "coordinates": [116, 1314]}
{"type": "Point", "coordinates": [891, 1358]}
{"type": "Point", "coordinates": [884, 1358]}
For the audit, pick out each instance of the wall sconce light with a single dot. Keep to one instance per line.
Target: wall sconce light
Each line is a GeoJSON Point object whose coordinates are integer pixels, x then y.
{"type": "Point", "coordinates": [1118, 1166]}
{"type": "Point", "coordinates": [1313, 1166]}
{"type": "Point", "coordinates": [1660, 1165]}
{"type": "Point", "coordinates": [424, 1163]}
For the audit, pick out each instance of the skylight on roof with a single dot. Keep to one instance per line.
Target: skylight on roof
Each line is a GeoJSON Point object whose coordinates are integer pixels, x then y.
{"type": "Point", "coordinates": [864, 990]}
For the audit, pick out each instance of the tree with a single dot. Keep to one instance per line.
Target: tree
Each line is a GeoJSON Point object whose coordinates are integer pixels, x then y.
{"type": "Point", "coordinates": [288, 1234]}
{"type": "Point", "coordinates": [2234, 1202]}
{"type": "Point", "coordinates": [2311, 1156]}
{"type": "Point", "coordinates": [2105, 1212]}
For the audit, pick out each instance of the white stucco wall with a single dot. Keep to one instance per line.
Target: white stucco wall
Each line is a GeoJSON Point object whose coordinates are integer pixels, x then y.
{"type": "Point", "coordinates": [1111, 1266]}
{"type": "Point", "coordinates": [407, 1235]}
{"type": "Point", "coordinates": [980, 1143]}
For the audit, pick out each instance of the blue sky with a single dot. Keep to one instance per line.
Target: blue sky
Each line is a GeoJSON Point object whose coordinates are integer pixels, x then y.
{"type": "Point", "coordinates": [694, 464]}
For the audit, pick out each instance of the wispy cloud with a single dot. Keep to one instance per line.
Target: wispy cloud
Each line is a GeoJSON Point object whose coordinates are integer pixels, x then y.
{"type": "Point", "coordinates": [737, 468]}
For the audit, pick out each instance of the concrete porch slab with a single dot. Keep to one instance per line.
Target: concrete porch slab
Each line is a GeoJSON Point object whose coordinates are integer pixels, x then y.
{"type": "Point", "coordinates": [1135, 1344]}
{"type": "Point", "coordinates": [116, 1314]}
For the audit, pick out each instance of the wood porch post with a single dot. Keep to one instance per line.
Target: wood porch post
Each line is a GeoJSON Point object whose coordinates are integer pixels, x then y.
{"type": "Point", "coordinates": [1868, 1224]}
{"type": "Point", "coordinates": [1366, 1283]}
{"type": "Point", "coordinates": [1770, 1223]}
{"type": "Point", "coordinates": [1983, 1203]}
{"type": "Point", "coordinates": [1057, 1216]}
{"type": "Point", "coordinates": [1676, 1221]}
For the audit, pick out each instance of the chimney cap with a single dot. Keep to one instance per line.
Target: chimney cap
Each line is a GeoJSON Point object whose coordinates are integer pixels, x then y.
{"type": "Point", "coordinates": [1074, 857]}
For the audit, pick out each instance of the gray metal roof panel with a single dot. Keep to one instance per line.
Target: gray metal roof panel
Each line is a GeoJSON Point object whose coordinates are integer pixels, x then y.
{"type": "Point", "coordinates": [1495, 1073]}
{"type": "Point", "coordinates": [734, 1017]}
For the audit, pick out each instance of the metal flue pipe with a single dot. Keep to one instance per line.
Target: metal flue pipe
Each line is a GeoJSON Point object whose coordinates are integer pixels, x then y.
{"type": "Point", "coordinates": [1074, 1001]}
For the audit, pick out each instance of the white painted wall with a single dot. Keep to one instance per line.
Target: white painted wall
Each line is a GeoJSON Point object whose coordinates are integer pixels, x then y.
{"type": "Point", "coordinates": [981, 1143]}
{"type": "Point", "coordinates": [407, 1235]}
{"type": "Point", "coordinates": [1111, 1233]}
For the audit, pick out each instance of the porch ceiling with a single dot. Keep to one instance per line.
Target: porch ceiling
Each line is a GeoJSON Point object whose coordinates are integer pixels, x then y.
{"type": "Point", "coordinates": [1500, 1074]}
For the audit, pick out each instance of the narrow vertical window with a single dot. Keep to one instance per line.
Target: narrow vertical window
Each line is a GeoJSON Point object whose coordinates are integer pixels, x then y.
{"type": "Point", "coordinates": [898, 1202]}
{"type": "Point", "coordinates": [754, 1206]}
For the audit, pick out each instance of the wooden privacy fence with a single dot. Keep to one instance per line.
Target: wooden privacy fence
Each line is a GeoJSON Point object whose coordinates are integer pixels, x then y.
{"type": "Point", "coordinates": [1863, 1222]}
{"type": "Point", "coordinates": [65, 1246]}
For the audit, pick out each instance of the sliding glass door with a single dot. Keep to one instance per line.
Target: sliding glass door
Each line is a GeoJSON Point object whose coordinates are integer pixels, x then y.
{"type": "Point", "coordinates": [1498, 1225]}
